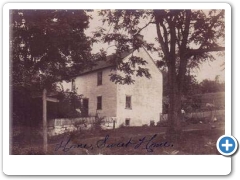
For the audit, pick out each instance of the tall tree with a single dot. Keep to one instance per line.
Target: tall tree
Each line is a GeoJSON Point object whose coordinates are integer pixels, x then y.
{"type": "Point", "coordinates": [184, 38]}
{"type": "Point", "coordinates": [46, 46]}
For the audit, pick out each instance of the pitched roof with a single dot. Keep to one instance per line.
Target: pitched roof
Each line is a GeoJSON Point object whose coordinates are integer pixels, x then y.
{"type": "Point", "coordinates": [104, 64]}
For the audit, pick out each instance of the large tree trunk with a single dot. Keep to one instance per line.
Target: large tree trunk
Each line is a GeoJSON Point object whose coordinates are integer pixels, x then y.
{"type": "Point", "coordinates": [168, 41]}
{"type": "Point", "coordinates": [174, 112]}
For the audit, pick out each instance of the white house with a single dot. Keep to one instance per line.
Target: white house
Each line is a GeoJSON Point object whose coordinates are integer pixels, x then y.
{"type": "Point", "coordinates": [130, 105]}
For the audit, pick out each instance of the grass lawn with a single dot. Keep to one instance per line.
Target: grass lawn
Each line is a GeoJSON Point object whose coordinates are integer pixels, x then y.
{"type": "Point", "coordinates": [196, 139]}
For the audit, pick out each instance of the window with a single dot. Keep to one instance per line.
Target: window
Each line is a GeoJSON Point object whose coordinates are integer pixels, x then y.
{"type": "Point", "coordinates": [127, 122]}
{"type": "Point", "coordinates": [128, 102]}
{"type": "Point", "coordinates": [73, 85]}
{"type": "Point", "coordinates": [99, 102]}
{"type": "Point", "coordinates": [99, 78]}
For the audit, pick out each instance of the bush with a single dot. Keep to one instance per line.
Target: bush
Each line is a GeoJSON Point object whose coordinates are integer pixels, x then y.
{"type": "Point", "coordinates": [144, 125]}
{"type": "Point", "coordinates": [152, 123]}
{"type": "Point", "coordinates": [97, 125]}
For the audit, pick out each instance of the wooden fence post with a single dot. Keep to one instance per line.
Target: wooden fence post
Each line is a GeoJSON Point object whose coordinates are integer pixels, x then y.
{"type": "Point", "coordinates": [113, 124]}
{"type": "Point", "coordinates": [44, 98]}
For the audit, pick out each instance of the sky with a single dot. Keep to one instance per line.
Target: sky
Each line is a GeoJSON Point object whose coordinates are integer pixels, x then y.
{"type": "Point", "coordinates": [206, 70]}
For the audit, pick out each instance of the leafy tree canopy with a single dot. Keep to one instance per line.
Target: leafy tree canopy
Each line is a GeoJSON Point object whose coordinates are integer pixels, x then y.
{"type": "Point", "coordinates": [48, 46]}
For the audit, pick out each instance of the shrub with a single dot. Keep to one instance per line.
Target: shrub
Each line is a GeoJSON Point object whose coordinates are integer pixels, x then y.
{"type": "Point", "coordinates": [144, 125]}
{"type": "Point", "coordinates": [152, 123]}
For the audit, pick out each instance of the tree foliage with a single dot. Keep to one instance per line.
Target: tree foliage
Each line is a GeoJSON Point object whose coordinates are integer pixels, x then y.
{"type": "Point", "coordinates": [209, 86]}
{"type": "Point", "coordinates": [191, 85]}
{"type": "Point", "coordinates": [48, 45]}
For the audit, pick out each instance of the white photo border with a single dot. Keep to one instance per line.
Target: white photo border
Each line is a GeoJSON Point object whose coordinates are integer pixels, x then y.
{"type": "Point", "coordinates": [114, 164]}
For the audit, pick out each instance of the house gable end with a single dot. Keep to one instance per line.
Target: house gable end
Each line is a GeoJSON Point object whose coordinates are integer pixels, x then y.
{"type": "Point", "coordinates": [151, 65]}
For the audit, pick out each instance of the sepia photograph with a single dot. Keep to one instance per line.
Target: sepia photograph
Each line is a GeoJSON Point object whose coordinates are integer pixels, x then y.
{"type": "Point", "coordinates": [116, 81]}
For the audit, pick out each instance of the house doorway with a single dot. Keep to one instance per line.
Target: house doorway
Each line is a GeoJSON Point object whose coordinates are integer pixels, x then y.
{"type": "Point", "coordinates": [85, 107]}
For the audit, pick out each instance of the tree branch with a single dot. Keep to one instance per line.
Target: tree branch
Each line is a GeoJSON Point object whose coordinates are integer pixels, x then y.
{"type": "Point", "coordinates": [186, 29]}
{"type": "Point", "coordinates": [164, 32]}
{"type": "Point", "coordinates": [211, 26]}
{"type": "Point", "coordinates": [179, 37]}
{"type": "Point", "coordinates": [150, 22]}
{"type": "Point", "coordinates": [173, 37]}
{"type": "Point", "coordinates": [183, 59]}
{"type": "Point", "coordinates": [160, 38]}
{"type": "Point", "coordinates": [192, 52]}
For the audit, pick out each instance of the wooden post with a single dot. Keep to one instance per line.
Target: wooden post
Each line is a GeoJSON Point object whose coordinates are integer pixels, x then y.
{"type": "Point", "coordinates": [44, 98]}
{"type": "Point", "coordinates": [113, 124]}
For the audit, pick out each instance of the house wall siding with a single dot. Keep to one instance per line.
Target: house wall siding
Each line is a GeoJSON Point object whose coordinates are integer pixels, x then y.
{"type": "Point", "coordinates": [86, 84]}
{"type": "Point", "coordinates": [146, 96]}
